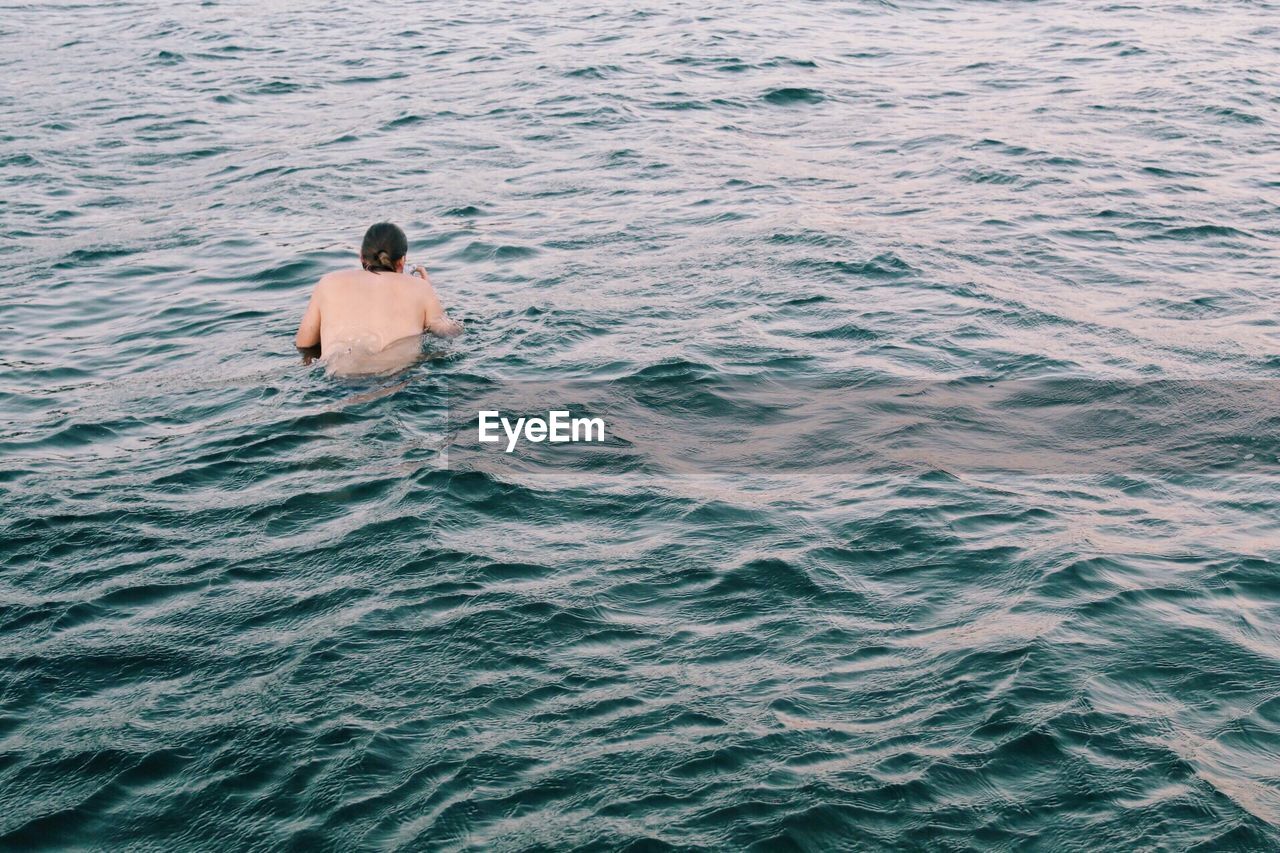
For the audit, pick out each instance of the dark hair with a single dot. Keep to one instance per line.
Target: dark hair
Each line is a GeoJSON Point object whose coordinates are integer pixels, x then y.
{"type": "Point", "coordinates": [384, 245]}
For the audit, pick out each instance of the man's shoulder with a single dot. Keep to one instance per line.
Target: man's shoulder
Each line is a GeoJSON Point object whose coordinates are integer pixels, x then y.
{"type": "Point", "coordinates": [337, 278]}
{"type": "Point", "coordinates": [412, 283]}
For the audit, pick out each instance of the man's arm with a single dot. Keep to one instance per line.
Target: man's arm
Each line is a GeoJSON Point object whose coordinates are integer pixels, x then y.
{"type": "Point", "coordinates": [434, 320]}
{"type": "Point", "coordinates": [309, 329]}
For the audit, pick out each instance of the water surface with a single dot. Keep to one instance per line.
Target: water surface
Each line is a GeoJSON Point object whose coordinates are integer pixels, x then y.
{"type": "Point", "coordinates": [246, 606]}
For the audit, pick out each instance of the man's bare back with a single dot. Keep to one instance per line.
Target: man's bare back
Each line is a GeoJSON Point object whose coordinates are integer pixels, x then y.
{"type": "Point", "coordinates": [369, 322]}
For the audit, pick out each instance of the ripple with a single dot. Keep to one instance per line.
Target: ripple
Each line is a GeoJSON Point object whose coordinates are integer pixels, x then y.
{"type": "Point", "coordinates": [792, 95]}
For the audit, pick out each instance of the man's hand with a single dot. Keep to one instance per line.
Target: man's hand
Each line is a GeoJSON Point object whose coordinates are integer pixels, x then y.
{"type": "Point", "coordinates": [435, 320]}
{"type": "Point", "coordinates": [309, 329]}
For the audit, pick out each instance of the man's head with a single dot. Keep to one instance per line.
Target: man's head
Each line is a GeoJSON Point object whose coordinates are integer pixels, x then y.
{"type": "Point", "coordinates": [384, 248]}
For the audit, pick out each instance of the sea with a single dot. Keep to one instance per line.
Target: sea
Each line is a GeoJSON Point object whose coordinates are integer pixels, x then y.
{"type": "Point", "coordinates": [936, 343]}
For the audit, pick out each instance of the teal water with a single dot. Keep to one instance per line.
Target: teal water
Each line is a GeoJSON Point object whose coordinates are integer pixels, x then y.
{"type": "Point", "coordinates": [247, 606]}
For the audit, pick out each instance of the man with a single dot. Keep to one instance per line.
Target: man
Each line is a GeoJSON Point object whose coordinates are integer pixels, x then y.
{"type": "Point", "coordinates": [369, 320]}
